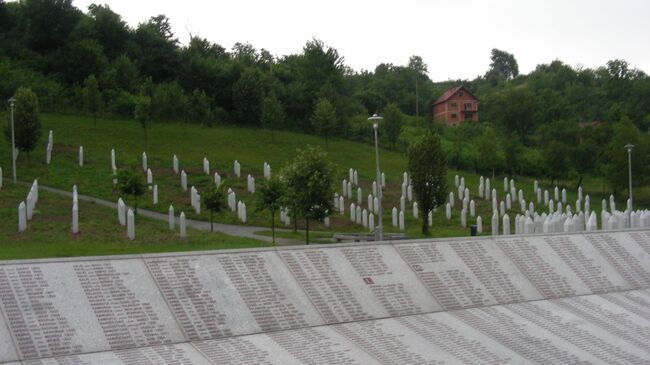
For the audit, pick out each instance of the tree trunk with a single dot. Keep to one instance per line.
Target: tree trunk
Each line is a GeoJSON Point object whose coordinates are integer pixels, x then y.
{"type": "Point", "coordinates": [273, 227]}
{"type": "Point", "coordinates": [211, 221]}
{"type": "Point", "coordinates": [307, 230]}
{"type": "Point", "coordinates": [425, 224]}
{"type": "Point", "coordinates": [135, 197]}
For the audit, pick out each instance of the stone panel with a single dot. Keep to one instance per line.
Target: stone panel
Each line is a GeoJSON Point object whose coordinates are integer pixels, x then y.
{"type": "Point", "coordinates": [56, 309]}
{"type": "Point", "coordinates": [465, 274]}
{"type": "Point", "coordinates": [179, 354]}
{"type": "Point", "coordinates": [215, 296]}
{"type": "Point", "coordinates": [358, 282]}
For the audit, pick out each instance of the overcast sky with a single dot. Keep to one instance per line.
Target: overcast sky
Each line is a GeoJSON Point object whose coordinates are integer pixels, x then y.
{"type": "Point", "coordinates": [454, 37]}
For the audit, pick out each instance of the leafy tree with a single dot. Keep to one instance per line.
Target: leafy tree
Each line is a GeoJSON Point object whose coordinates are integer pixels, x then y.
{"type": "Point", "coordinates": [127, 73]}
{"type": "Point", "coordinates": [214, 200]}
{"type": "Point", "coordinates": [168, 102]}
{"type": "Point", "coordinates": [427, 166]}
{"type": "Point", "coordinates": [503, 66]}
{"type": "Point", "coordinates": [557, 160]}
{"type": "Point", "coordinates": [143, 114]}
{"type": "Point", "coordinates": [92, 97]}
{"type": "Point", "coordinates": [393, 122]}
{"type": "Point", "coordinates": [490, 154]}
{"type": "Point", "coordinates": [308, 179]}
{"type": "Point", "coordinates": [247, 95]}
{"type": "Point", "coordinates": [272, 114]}
{"type": "Point", "coordinates": [324, 119]}
{"type": "Point", "coordinates": [199, 108]}
{"type": "Point", "coordinates": [131, 182]}
{"type": "Point", "coordinates": [108, 28]}
{"type": "Point", "coordinates": [48, 24]}
{"type": "Point", "coordinates": [27, 120]}
{"type": "Point", "coordinates": [420, 68]}
{"type": "Point", "coordinates": [155, 49]}
{"type": "Point", "coordinates": [616, 170]}
{"type": "Point", "coordinates": [514, 110]}
{"type": "Point", "coordinates": [270, 198]}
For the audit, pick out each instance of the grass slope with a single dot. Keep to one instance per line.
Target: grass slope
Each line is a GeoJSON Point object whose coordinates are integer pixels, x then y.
{"type": "Point", "coordinates": [48, 233]}
{"type": "Point", "coordinates": [223, 145]}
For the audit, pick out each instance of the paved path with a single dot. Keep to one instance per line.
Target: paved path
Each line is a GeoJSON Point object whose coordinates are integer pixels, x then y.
{"type": "Point", "coordinates": [230, 229]}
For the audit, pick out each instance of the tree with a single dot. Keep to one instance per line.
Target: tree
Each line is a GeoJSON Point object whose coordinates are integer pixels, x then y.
{"type": "Point", "coordinates": [324, 119]}
{"type": "Point", "coordinates": [214, 200]}
{"type": "Point", "coordinates": [272, 114]}
{"type": "Point", "coordinates": [27, 120]}
{"type": "Point", "coordinates": [92, 98]}
{"type": "Point", "coordinates": [270, 198]}
{"type": "Point", "coordinates": [427, 166]}
{"type": "Point", "coordinates": [557, 160]}
{"type": "Point", "coordinates": [247, 95]}
{"type": "Point", "coordinates": [143, 115]}
{"type": "Point", "coordinates": [490, 153]}
{"type": "Point", "coordinates": [393, 121]}
{"type": "Point", "coordinates": [199, 108]}
{"type": "Point", "coordinates": [503, 66]}
{"type": "Point", "coordinates": [308, 179]}
{"type": "Point", "coordinates": [131, 182]}
{"type": "Point", "coordinates": [616, 170]}
{"type": "Point", "coordinates": [420, 68]}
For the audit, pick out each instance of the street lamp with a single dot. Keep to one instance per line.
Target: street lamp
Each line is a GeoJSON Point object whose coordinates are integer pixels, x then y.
{"type": "Point", "coordinates": [379, 231]}
{"type": "Point", "coordinates": [629, 147]}
{"type": "Point", "coordinates": [13, 138]}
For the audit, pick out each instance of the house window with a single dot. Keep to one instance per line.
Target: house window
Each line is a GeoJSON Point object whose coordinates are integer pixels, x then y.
{"type": "Point", "coordinates": [453, 105]}
{"type": "Point", "coordinates": [468, 106]}
{"type": "Point", "coordinates": [453, 115]}
{"type": "Point", "coordinates": [461, 93]}
{"type": "Point", "coordinates": [468, 115]}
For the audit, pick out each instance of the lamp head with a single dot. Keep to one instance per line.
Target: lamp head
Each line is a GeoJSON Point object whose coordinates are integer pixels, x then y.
{"type": "Point", "coordinates": [375, 120]}
{"type": "Point", "coordinates": [11, 101]}
{"type": "Point", "coordinates": [629, 146]}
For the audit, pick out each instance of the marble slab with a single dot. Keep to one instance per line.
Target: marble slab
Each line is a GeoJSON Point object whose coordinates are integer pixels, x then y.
{"type": "Point", "coordinates": [57, 309]}
{"type": "Point", "coordinates": [358, 282]}
{"type": "Point", "coordinates": [179, 354]}
{"type": "Point", "coordinates": [215, 296]}
{"type": "Point", "coordinates": [467, 273]}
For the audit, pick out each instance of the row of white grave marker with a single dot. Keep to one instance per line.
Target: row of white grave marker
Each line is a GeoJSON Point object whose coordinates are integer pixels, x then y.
{"type": "Point", "coordinates": [555, 221]}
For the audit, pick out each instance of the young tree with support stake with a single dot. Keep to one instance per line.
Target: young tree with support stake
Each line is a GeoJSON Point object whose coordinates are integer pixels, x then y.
{"type": "Point", "coordinates": [309, 185]}
{"type": "Point", "coordinates": [131, 182]}
{"type": "Point", "coordinates": [427, 166]}
{"type": "Point", "coordinates": [214, 200]}
{"type": "Point", "coordinates": [270, 198]}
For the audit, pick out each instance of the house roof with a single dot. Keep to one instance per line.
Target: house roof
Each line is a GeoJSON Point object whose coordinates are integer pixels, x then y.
{"type": "Point", "coordinates": [449, 93]}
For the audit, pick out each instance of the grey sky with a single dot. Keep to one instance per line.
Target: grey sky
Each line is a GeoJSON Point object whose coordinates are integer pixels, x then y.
{"type": "Point", "coordinates": [453, 37]}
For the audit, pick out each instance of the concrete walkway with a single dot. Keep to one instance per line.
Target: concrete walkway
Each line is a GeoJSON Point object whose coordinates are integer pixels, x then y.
{"type": "Point", "coordinates": [230, 229]}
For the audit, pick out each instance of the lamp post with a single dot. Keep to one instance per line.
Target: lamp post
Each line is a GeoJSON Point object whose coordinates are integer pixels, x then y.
{"type": "Point", "coordinates": [13, 138]}
{"type": "Point", "coordinates": [629, 147]}
{"type": "Point", "coordinates": [379, 230]}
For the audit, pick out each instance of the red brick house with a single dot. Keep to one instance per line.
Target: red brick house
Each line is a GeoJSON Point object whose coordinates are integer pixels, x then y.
{"type": "Point", "coordinates": [456, 106]}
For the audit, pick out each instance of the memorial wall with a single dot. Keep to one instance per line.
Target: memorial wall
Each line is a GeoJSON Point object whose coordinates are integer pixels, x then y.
{"type": "Point", "coordinates": [570, 298]}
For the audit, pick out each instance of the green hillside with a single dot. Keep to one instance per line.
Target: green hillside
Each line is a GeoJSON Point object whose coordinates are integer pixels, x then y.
{"type": "Point", "coordinates": [223, 145]}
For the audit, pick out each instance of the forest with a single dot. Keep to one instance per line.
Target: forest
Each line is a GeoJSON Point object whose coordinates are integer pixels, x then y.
{"type": "Point", "coordinates": [558, 122]}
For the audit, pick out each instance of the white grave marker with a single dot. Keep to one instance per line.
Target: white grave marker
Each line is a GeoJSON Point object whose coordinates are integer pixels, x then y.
{"type": "Point", "coordinates": [130, 225]}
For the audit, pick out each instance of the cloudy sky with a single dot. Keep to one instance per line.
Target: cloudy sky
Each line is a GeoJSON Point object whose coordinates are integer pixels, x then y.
{"type": "Point", "coordinates": [454, 37]}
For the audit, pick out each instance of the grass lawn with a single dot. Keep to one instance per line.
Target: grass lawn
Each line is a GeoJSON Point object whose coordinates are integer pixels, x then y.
{"type": "Point", "coordinates": [48, 233]}
{"type": "Point", "coordinates": [222, 146]}
{"type": "Point", "coordinates": [314, 237]}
